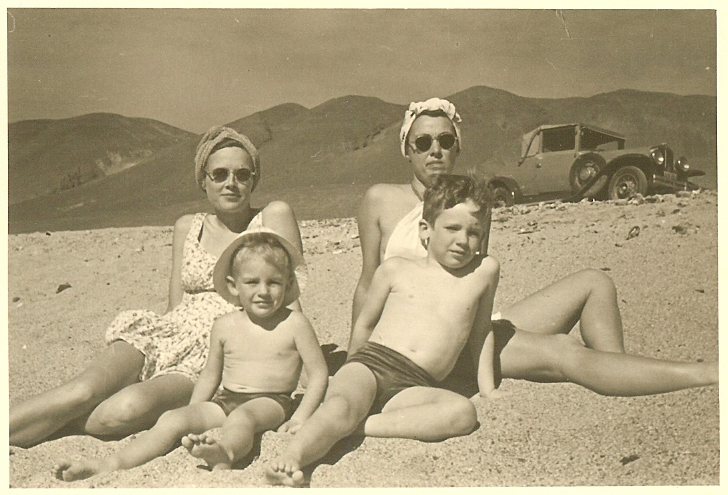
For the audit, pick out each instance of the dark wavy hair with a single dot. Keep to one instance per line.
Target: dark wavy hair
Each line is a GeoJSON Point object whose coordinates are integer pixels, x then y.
{"type": "Point", "coordinates": [448, 190]}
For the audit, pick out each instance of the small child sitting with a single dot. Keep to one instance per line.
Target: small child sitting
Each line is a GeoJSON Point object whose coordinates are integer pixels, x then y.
{"type": "Point", "coordinates": [417, 317]}
{"type": "Point", "coordinates": [256, 353]}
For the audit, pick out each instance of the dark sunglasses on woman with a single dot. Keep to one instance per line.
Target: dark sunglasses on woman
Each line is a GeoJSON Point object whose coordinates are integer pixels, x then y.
{"type": "Point", "coordinates": [220, 175]}
{"type": "Point", "coordinates": [424, 142]}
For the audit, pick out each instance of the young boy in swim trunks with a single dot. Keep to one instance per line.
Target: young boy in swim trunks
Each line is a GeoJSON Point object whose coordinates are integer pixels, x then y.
{"type": "Point", "coordinates": [416, 319]}
{"type": "Point", "coordinates": [257, 353]}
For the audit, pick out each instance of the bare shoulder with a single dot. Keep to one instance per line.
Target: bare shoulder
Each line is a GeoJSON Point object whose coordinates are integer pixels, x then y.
{"type": "Point", "coordinates": [296, 325]}
{"type": "Point", "coordinates": [395, 265]}
{"type": "Point", "coordinates": [293, 317]}
{"type": "Point", "coordinates": [379, 193]}
{"type": "Point", "coordinates": [278, 208]}
{"type": "Point", "coordinates": [183, 224]}
{"type": "Point", "coordinates": [488, 267]}
{"type": "Point", "coordinates": [297, 321]}
{"type": "Point", "coordinates": [228, 321]}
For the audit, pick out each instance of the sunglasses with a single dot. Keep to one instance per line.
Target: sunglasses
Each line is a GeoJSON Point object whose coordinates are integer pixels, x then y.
{"type": "Point", "coordinates": [424, 142]}
{"type": "Point", "coordinates": [221, 175]}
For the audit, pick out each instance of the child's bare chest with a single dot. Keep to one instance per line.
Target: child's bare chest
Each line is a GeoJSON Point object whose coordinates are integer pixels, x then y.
{"type": "Point", "coordinates": [258, 344]}
{"type": "Point", "coordinates": [435, 293]}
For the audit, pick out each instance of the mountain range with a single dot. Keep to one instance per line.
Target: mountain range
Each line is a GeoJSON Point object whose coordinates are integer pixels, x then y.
{"type": "Point", "coordinates": [105, 170]}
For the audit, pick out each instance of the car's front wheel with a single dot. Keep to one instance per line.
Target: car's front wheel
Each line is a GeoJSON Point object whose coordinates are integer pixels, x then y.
{"type": "Point", "coordinates": [501, 196]}
{"type": "Point", "coordinates": [627, 182]}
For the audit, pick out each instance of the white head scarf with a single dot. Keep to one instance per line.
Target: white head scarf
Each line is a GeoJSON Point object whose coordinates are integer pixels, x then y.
{"type": "Point", "coordinates": [432, 105]}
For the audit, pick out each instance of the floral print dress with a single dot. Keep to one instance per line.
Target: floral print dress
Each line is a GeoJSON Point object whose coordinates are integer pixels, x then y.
{"type": "Point", "coordinates": [178, 341]}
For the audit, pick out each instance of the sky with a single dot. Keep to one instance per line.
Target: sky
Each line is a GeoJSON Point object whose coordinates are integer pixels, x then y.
{"type": "Point", "coordinates": [194, 68]}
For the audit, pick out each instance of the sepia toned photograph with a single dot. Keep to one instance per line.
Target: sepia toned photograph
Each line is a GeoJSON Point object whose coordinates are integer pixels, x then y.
{"type": "Point", "coordinates": [372, 247]}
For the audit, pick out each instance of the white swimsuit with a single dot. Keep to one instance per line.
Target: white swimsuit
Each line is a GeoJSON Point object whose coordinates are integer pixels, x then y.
{"type": "Point", "coordinates": [405, 239]}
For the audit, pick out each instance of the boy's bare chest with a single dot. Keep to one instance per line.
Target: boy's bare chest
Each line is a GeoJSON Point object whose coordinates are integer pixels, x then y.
{"type": "Point", "coordinates": [259, 344]}
{"type": "Point", "coordinates": [437, 292]}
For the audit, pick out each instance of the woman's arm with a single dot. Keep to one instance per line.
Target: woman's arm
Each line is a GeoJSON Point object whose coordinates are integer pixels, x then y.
{"type": "Point", "coordinates": [316, 369]}
{"type": "Point", "coordinates": [279, 217]}
{"type": "Point", "coordinates": [211, 375]}
{"type": "Point", "coordinates": [373, 306]}
{"type": "Point", "coordinates": [181, 229]}
{"type": "Point", "coordinates": [370, 238]}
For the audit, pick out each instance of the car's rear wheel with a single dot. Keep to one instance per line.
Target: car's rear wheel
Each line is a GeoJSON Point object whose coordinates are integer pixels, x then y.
{"type": "Point", "coordinates": [584, 170]}
{"type": "Point", "coordinates": [627, 182]}
{"type": "Point", "coordinates": [501, 196]}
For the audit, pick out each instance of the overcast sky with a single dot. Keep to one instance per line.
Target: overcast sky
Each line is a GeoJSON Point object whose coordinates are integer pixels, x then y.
{"type": "Point", "coordinates": [194, 68]}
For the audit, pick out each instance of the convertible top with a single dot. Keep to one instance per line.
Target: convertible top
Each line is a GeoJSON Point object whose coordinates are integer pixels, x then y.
{"type": "Point", "coordinates": [528, 137]}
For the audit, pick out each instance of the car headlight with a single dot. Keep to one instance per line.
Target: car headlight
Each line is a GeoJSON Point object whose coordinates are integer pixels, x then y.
{"type": "Point", "coordinates": [682, 165]}
{"type": "Point", "coordinates": [658, 156]}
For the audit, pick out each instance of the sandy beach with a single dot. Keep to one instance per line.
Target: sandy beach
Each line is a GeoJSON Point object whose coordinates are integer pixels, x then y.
{"type": "Point", "coordinates": [65, 287]}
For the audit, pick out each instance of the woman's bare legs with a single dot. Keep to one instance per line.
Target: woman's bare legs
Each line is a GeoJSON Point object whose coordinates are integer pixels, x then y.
{"type": "Point", "coordinates": [138, 406]}
{"type": "Point", "coordinates": [39, 417]}
{"type": "Point", "coordinates": [587, 296]}
{"type": "Point", "coordinates": [557, 358]}
{"type": "Point", "coordinates": [159, 440]}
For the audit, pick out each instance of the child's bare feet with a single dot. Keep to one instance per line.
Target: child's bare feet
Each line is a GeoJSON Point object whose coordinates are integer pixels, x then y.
{"type": "Point", "coordinates": [285, 471]}
{"type": "Point", "coordinates": [77, 470]}
{"type": "Point", "coordinates": [208, 449]}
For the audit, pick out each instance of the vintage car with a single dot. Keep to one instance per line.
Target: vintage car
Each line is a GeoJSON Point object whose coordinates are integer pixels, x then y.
{"type": "Point", "coordinates": [576, 161]}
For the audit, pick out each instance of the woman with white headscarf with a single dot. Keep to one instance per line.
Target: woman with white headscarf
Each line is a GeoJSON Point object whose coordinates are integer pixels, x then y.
{"type": "Point", "coordinates": [531, 335]}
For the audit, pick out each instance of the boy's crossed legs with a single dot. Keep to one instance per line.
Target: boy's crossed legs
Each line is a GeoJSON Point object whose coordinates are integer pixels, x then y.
{"type": "Point", "coordinates": [422, 413]}
{"type": "Point", "coordinates": [238, 432]}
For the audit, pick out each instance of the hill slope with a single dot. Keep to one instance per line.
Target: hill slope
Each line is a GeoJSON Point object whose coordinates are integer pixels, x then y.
{"type": "Point", "coordinates": [321, 160]}
{"type": "Point", "coordinates": [70, 152]}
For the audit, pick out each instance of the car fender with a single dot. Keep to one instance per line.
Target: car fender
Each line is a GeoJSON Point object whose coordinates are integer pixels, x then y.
{"type": "Point", "coordinates": [639, 160]}
{"type": "Point", "coordinates": [636, 159]}
{"type": "Point", "coordinates": [511, 184]}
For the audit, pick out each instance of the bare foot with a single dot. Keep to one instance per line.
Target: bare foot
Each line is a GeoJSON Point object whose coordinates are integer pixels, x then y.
{"type": "Point", "coordinates": [77, 470]}
{"type": "Point", "coordinates": [208, 449]}
{"type": "Point", "coordinates": [285, 471]}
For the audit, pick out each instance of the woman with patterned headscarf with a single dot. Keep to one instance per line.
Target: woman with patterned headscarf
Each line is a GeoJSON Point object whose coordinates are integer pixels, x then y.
{"type": "Point", "coordinates": [151, 362]}
{"type": "Point", "coordinates": [531, 338]}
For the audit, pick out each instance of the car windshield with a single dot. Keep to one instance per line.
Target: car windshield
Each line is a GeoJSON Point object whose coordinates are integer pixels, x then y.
{"type": "Point", "coordinates": [598, 141]}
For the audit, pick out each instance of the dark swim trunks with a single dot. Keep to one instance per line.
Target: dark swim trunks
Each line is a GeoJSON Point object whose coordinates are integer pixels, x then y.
{"type": "Point", "coordinates": [229, 401]}
{"type": "Point", "coordinates": [393, 372]}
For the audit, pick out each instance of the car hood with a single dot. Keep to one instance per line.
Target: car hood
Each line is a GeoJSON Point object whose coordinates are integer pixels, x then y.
{"type": "Point", "coordinates": [612, 154]}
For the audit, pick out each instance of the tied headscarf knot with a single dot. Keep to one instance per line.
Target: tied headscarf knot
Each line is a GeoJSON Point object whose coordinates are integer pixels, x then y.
{"type": "Point", "coordinates": [212, 138]}
{"type": "Point", "coordinates": [432, 105]}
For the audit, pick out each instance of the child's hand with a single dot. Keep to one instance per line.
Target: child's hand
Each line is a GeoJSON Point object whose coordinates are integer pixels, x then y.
{"type": "Point", "coordinates": [290, 426]}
